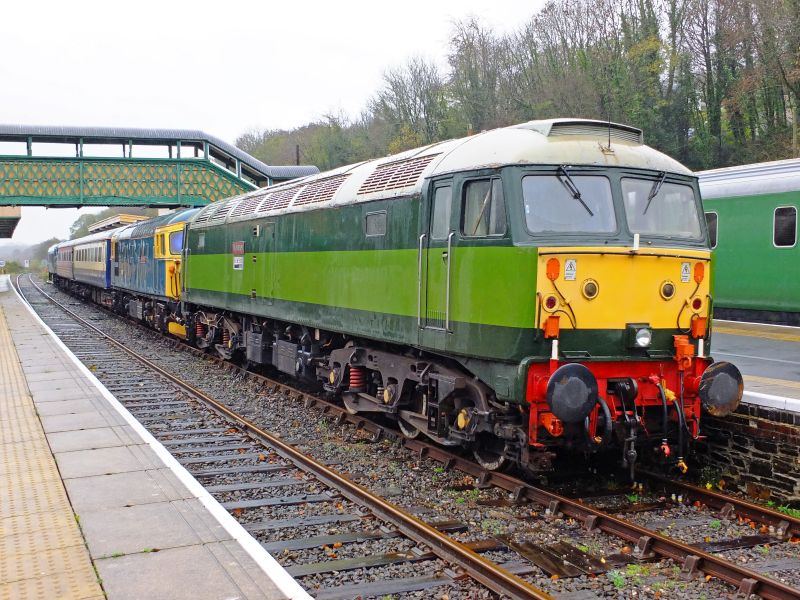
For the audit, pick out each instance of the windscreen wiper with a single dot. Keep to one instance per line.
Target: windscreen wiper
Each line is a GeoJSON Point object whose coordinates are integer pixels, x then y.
{"type": "Point", "coordinates": [654, 190]}
{"type": "Point", "coordinates": [568, 183]}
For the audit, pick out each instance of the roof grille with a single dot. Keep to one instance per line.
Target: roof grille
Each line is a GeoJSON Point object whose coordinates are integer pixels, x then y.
{"type": "Point", "coordinates": [247, 206]}
{"type": "Point", "coordinates": [278, 200]}
{"type": "Point", "coordinates": [320, 190]}
{"type": "Point", "coordinates": [396, 175]}
{"type": "Point", "coordinates": [222, 210]}
{"type": "Point", "coordinates": [619, 133]}
{"type": "Point", "coordinates": [204, 214]}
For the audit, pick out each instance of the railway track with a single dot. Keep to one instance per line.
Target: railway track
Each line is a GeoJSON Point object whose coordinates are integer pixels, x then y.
{"type": "Point", "coordinates": [646, 542]}
{"type": "Point", "coordinates": [216, 444]}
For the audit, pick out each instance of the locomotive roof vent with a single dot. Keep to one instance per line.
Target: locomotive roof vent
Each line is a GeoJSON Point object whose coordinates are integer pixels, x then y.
{"type": "Point", "coordinates": [209, 210]}
{"type": "Point", "coordinates": [396, 175]}
{"type": "Point", "coordinates": [320, 190]}
{"type": "Point", "coordinates": [247, 206]}
{"type": "Point", "coordinates": [223, 208]}
{"type": "Point", "coordinates": [586, 127]}
{"type": "Point", "coordinates": [279, 199]}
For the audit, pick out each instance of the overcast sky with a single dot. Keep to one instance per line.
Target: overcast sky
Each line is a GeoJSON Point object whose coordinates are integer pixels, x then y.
{"type": "Point", "coordinates": [222, 67]}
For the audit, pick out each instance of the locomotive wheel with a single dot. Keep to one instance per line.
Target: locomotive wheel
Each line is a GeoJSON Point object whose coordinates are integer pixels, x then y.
{"type": "Point", "coordinates": [350, 403]}
{"type": "Point", "coordinates": [489, 452]}
{"type": "Point", "coordinates": [407, 429]}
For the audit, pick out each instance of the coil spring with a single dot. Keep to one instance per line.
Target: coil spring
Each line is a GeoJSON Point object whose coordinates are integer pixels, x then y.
{"type": "Point", "coordinates": [226, 337]}
{"type": "Point", "coordinates": [198, 329]}
{"type": "Point", "coordinates": [358, 378]}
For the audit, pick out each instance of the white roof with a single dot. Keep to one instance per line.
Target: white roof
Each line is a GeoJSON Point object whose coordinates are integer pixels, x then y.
{"type": "Point", "coordinates": [95, 237]}
{"type": "Point", "coordinates": [751, 180]}
{"type": "Point", "coordinates": [550, 142]}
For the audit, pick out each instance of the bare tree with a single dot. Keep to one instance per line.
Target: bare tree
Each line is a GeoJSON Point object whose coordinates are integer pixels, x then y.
{"type": "Point", "coordinates": [474, 73]}
{"type": "Point", "coordinates": [413, 101]}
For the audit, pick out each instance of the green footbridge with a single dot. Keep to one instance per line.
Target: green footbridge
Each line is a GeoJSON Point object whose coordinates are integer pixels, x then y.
{"type": "Point", "coordinates": [107, 166]}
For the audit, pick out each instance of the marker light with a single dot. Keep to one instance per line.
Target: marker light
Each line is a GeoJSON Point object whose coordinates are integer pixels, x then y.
{"type": "Point", "coordinates": [699, 272]}
{"type": "Point", "coordinates": [697, 303]}
{"type": "Point", "coordinates": [550, 302]}
{"type": "Point", "coordinates": [553, 269]}
{"type": "Point", "coordinates": [590, 289]}
{"type": "Point", "coordinates": [667, 290]}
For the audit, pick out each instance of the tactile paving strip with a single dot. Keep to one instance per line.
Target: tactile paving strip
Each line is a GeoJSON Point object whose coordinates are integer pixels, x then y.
{"type": "Point", "coordinates": [42, 552]}
{"type": "Point", "coordinates": [79, 585]}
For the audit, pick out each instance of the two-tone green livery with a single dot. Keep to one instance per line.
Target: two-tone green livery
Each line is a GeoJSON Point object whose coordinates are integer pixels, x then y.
{"type": "Point", "coordinates": [752, 220]}
{"type": "Point", "coordinates": [530, 287]}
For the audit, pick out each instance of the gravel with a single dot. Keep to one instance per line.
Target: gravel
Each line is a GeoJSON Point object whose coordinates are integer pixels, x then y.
{"type": "Point", "coordinates": [434, 493]}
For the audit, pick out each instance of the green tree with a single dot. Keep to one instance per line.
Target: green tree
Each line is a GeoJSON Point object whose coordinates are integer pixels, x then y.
{"type": "Point", "coordinates": [39, 251]}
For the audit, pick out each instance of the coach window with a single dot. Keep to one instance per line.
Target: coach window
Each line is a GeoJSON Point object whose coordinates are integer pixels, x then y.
{"type": "Point", "coordinates": [440, 216]}
{"type": "Point", "coordinates": [484, 211]}
{"type": "Point", "coordinates": [784, 231]}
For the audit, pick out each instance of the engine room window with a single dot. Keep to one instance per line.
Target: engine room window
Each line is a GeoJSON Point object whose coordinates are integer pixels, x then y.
{"type": "Point", "coordinates": [785, 226]}
{"type": "Point", "coordinates": [201, 241]}
{"type": "Point", "coordinates": [175, 242]}
{"type": "Point", "coordinates": [376, 223]}
{"type": "Point", "coordinates": [440, 225]}
{"type": "Point", "coordinates": [484, 210]}
{"type": "Point", "coordinates": [551, 206]}
{"type": "Point", "coordinates": [659, 208]}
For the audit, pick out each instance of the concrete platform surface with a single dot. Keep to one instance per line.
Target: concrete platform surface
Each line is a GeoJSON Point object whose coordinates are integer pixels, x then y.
{"type": "Point", "coordinates": [768, 357]}
{"type": "Point", "coordinates": [92, 504]}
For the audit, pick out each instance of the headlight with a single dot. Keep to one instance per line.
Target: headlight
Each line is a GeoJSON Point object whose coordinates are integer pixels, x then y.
{"type": "Point", "coordinates": [638, 335]}
{"type": "Point", "coordinates": [643, 337]}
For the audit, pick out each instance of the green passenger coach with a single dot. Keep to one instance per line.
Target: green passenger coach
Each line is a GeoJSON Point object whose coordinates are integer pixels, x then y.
{"type": "Point", "coordinates": [751, 211]}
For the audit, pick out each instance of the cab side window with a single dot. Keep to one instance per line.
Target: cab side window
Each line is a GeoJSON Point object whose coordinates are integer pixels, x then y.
{"type": "Point", "coordinates": [175, 242]}
{"type": "Point", "coordinates": [483, 208]}
{"type": "Point", "coordinates": [442, 200]}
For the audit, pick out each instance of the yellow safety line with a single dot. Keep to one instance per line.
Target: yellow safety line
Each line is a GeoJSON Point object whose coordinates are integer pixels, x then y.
{"type": "Point", "coordinates": [772, 381]}
{"type": "Point", "coordinates": [759, 333]}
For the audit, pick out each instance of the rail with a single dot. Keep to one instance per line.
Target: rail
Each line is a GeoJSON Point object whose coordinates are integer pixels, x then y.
{"type": "Point", "coordinates": [490, 574]}
{"type": "Point", "coordinates": [646, 540]}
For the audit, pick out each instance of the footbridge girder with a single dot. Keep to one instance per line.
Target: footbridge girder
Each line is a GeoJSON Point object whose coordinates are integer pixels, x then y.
{"type": "Point", "coordinates": [107, 166]}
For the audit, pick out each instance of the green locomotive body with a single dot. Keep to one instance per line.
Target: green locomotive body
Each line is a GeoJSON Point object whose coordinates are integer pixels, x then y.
{"type": "Point", "coordinates": [507, 292]}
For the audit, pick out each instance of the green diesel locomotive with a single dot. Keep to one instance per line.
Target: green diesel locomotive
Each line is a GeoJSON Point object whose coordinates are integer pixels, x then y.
{"type": "Point", "coordinates": [530, 287]}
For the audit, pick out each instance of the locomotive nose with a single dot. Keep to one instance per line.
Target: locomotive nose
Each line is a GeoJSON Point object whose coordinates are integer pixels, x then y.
{"type": "Point", "coordinates": [572, 393]}
{"type": "Point", "coordinates": [721, 389]}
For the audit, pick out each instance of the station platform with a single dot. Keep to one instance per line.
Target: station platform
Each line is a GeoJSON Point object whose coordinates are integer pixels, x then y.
{"type": "Point", "coordinates": [768, 357]}
{"type": "Point", "coordinates": [91, 505]}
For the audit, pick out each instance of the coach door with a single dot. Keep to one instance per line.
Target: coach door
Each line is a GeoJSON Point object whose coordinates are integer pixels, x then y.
{"type": "Point", "coordinates": [435, 248]}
